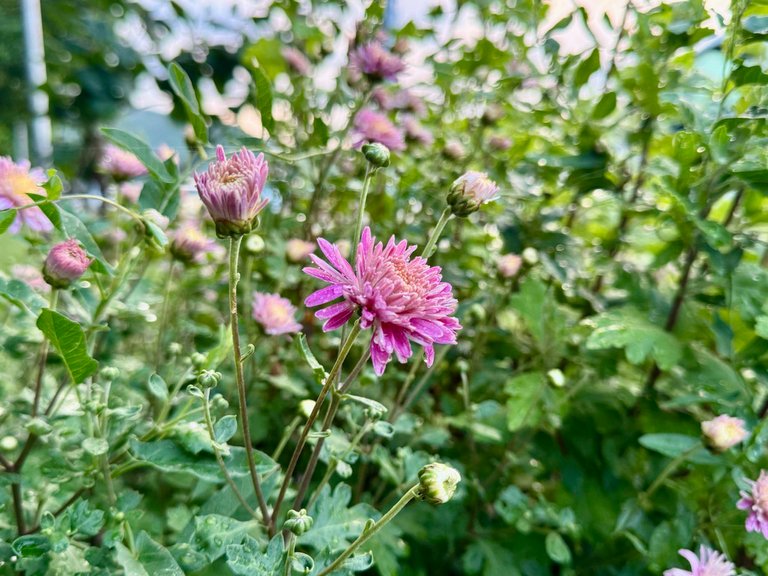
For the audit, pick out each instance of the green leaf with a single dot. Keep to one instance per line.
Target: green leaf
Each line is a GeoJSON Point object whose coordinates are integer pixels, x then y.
{"type": "Point", "coordinates": [7, 218]}
{"type": "Point", "coordinates": [489, 558]}
{"type": "Point", "coordinates": [263, 89]}
{"type": "Point", "coordinates": [317, 369]}
{"type": "Point", "coordinates": [675, 445]}
{"type": "Point", "coordinates": [141, 149]}
{"type": "Point", "coordinates": [157, 387]}
{"type": "Point", "coordinates": [95, 446]}
{"type": "Point", "coordinates": [604, 106]}
{"type": "Point", "coordinates": [20, 294]}
{"type": "Point", "coordinates": [557, 549]}
{"type": "Point", "coordinates": [68, 338]}
{"type": "Point", "coordinates": [247, 559]}
{"type": "Point", "coordinates": [53, 186]}
{"type": "Point", "coordinates": [130, 564]}
{"type": "Point", "coordinates": [215, 533]}
{"type": "Point", "coordinates": [639, 338]}
{"type": "Point", "coordinates": [31, 546]}
{"type": "Point", "coordinates": [183, 88]}
{"type": "Point", "coordinates": [84, 520]}
{"type": "Point", "coordinates": [156, 559]}
{"type": "Point", "coordinates": [225, 428]}
{"type": "Point", "coordinates": [586, 68]}
{"type": "Point", "coordinates": [524, 403]}
{"type": "Point", "coordinates": [335, 524]}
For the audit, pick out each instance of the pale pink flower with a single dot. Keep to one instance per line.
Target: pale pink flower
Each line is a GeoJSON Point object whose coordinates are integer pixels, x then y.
{"type": "Point", "coordinates": [65, 263]}
{"type": "Point", "coordinates": [509, 265]}
{"type": "Point", "coordinates": [296, 60]}
{"type": "Point", "coordinates": [275, 313]}
{"type": "Point", "coordinates": [189, 244]}
{"type": "Point", "coordinates": [470, 191]}
{"type": "Point", "coordinates": [231, 191]}
{"type": "Point", "coordinates": [454, 150]}
{"type": "Point", "coordinates": [724, 432]}
{"type": "Point", "coordinates": [402, 299]}
{"type": "Point", "coordinates": [756, 502]}
{"type": "Point", "coordinates": [707, 563]}
{"type": "Point", "coordinates": [297, 249]}
{"type": "Point", "coordinates": [131, 191]}
{"type": "Point", "coordinates": [31, 276]}
{"type": "Point", "coordinates": [16, 182]}
{"type": "Point", "coordinates": [375, 62]}
{"type": "Point", "coordinates": [120, 164]}
{"type": "Point", "coordinates": [373, 126]}
{"type": "Point", "coordinates": [416, 132]}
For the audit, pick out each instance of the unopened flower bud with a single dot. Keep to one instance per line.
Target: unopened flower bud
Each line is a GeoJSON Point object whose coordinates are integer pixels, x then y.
{"type": "Point", "coordinates": [437, 482]}
{"type": "Point", "coordinates": [65, 263]}
{"type": "Point", "coordinates": [219, 403]}
{"type": "Point", "coordinates": [109, 373]}
{"type": "Point", "coordinates": [8, 444]}
{"type": "Point", "coordinates": [198, 360]}
{"type": "Point", "coordinates": [208, 378]}
{"type": "Point", "coordinates": [724, 432]}
{"type": "Point", "coordinates": [470, 191]}
{"type": "Point", "coordinates": [377, 154]}
{"type": "Point", "coordinates": [298, 522]}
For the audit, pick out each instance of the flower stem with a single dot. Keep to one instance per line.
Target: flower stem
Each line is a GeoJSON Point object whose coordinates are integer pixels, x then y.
{"type": "Point", "coordinates": [329, 382]}
{"type": "Point", "coordinates": [290, 553]}
{"type": "Point", "coordinates": [217, 453]}
{"type": "Point", "coordinates": [432, 242]}
{"type": "Point", "coordinates": [370, 532]}
{"type": "Point", "coordinates": [234, 277]}
{"type": "Point", "coordinates": [369, 172]}
{"type": "Point", "coordinates": [661, 478]}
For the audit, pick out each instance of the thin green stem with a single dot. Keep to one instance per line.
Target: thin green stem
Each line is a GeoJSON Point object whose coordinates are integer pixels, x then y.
{"type": "Point", "coordinates": [43, 357]}
{"type": "Point", "coordinates": [329, 382]}
{"type": "Point", "coordinates": [104, 433]}
{"type": "Point", "coordinates": [373, 530]}
{"type": "Point", "coordinates": [436, 233]}
{"type": "Point", "coordinates": [290, 553]}
{"type": "Point", "coordinates": [162, 324]}
{"type": "Point", "coordinates": [369, 172]}
{"type": "Point", "coordinates": [669, 469]}
{"type": "Point", "coordinates": [234, 277]}
{"type": "Point", "coordinates": [286, 436]}
{"type": "Point", "coordinates": [219, 458]}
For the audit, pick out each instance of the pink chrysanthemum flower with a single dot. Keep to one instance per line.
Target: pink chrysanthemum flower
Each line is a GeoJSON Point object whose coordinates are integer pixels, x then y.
{"type": "Point", "coordinates": [275, 313]}
{"type": "Point", "coordinates": [231, 191]}
{"type": "Point", "coordinates": [724, 432]}
{"type": "Point", "coordinates": [416, 132]}
{"type": "Point", "coordinates": [402, 299]}
{"type": "Point", "coordinates": [756, 502]}
{"type": "Point", "coordinates": [296, 60]}
{"type": "Point", "coordinates": [297, 249]}
{"type": "Point", "coordinates": [65, 263]}
{"type": "Point", "coordinates": [189, 244]}
{"type": "Point", "coordinates": [120, 164]}
{"type": "Point", "coordinates": [16, 182]}
{"type": "Point", "coordinates": [373, 126]}
{"type": "Point", "coordinates": [707, 563]}
{"type": "Point", "coordinates": [375, 62]}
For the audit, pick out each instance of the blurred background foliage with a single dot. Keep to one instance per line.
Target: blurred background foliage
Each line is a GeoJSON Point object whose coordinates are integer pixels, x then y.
{"type": "Point", "coordinates": [629, 145]}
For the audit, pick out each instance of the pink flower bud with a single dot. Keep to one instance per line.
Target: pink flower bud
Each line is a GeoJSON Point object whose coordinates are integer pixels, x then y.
{"type": "Point", "coordinates": [65, 263]}
{"type": "Point", "coordinates": [724, 432]}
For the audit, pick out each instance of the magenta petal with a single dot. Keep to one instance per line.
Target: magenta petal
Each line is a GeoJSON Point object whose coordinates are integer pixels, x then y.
{"type": "Point", "coordinates": [380, 359]}
{"type": "Point", "coordinates": [324, 295]}
{"type": "Point", "coordinates": [338, 320]}
{"type": "Point", "coordinates": [402, 345]}
{"type": "Point", "coordinates": [429, 355]}
{"type": "Point", "coordinates": [334, 309]}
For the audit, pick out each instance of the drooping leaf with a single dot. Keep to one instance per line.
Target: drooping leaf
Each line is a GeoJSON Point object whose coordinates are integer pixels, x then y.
{"type": "Point", "coordinates": [7, 218]}
{"type": "Point", "coordinates": [68, 338]}
{"type": "Point", "coordinates": [141, 149]}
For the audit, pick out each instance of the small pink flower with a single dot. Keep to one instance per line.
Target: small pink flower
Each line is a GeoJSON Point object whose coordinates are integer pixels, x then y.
{"type": "Point", "coordinates": [131, 191]}
{"type": "Point", "coordinates": [724, 432]}
{"type": "Point", "coordinates": [375, 62]}
{"type": "Point", "coordinates": [454, 150]}
{"type": "Point", "coordinates": [120, 164]}
{"type": "Point", "coordinates": [231, 191]}
{"type": "Point", "coordinates": [16, 182]}
{"type": "Point", "coordinates": [297, 249]}
{"type": "Point", "coordinates": [65, 263]}
{"type": "Point", "coordinates": [416, 132]}
{"type": "Point", "coordinates": [275, 313]}
{"type": "Point", "coordinates": [756, 502]}
{"type": "Point", "coordinates": [509, 265]}
{"type": "Point", "coordinates": [373, 126]}
{"type": "Point", "coordinates": [189, 244]}
{"type": "Point", "coordinates": [470, 191]}
{"type": "Point", "coordinates": [402, 299]}
{"type": "Point", "coordinates": [296, 60]}
{"type": "Point", "coordinates": [707, 563]}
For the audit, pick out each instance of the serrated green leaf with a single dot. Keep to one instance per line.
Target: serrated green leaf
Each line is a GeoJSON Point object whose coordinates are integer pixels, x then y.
{"type": "Point", "coordinates": [141, 150]}
{"type": "Point", "coordinates": [155, 558]}
{"type": "Point", "coordinates": [336, 525]}
{"type": "Point", "coordinates": [524, 402]}
{"type": "Point", "coordinates": [247, 559]}
{"type": "Point", "coordinates": [68, 338]}
{"type": "Point", "coordinates": [225, 428]}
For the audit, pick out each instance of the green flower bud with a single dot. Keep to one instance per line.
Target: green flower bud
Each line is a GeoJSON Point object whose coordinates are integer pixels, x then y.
{"type": "Point", "coordinates": [174, 348]}
{"type": "Point", "coordinates": [109, 373]}
{"type": "Point", "coordinates": [469, 192]}
{"type": "Point", "coordinates": [377, 154]}
{"type": "Point", "coordinates": [437, 482]}
{"type": "Point", "coordinates": [298, 522]}
{"type": "Point", "coordinates": [198, 360]}
{"type": "Point", "coordinates": [208, 378]}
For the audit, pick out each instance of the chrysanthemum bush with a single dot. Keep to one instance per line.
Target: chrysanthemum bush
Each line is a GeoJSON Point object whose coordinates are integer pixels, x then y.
{"type": "Point", "coordinates": [507, 321]}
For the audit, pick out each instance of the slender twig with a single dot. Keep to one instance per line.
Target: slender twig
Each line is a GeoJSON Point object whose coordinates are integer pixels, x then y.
{"type": "Point", "coordinates": [234, 252]}
{"type": "Point", "coordinates": [329, 381]}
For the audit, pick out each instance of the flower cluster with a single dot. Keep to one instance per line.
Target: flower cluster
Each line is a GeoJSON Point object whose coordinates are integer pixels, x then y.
{"type": "Point", "coordinates": [402, 299]}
